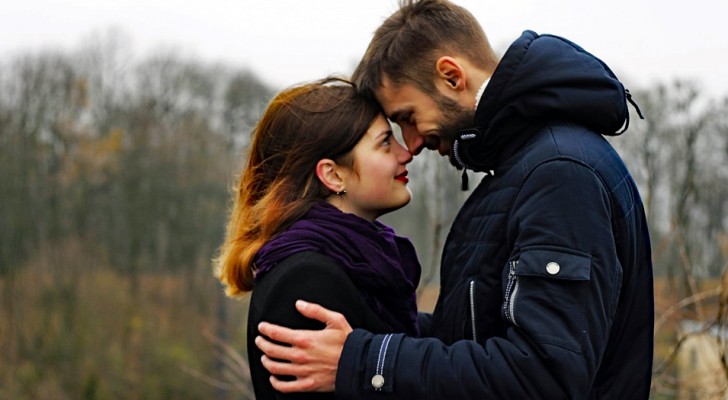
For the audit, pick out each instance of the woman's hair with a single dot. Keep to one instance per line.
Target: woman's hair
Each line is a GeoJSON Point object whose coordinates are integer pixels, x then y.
{"type": "Point", "coordinates": [301, 126]}
{"type": "Point", "coordinates": [406, 46]}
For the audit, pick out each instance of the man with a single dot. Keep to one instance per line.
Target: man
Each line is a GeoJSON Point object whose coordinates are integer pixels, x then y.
{"type": "Point", "coordinates": [546, 277]}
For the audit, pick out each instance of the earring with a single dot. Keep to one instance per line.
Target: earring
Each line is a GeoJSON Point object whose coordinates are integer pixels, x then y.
{"type": "Point", "coordinates": [340, 192]}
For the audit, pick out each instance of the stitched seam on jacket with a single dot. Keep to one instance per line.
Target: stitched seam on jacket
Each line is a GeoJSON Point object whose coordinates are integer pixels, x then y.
{"type": "Point", "coordinates": [382, 355]}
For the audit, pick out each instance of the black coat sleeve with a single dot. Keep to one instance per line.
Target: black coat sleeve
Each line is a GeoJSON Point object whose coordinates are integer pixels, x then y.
{"type": "Point", "coordinates": [424, 321]}
{"type": "Point", "coordinates": [311, 277]}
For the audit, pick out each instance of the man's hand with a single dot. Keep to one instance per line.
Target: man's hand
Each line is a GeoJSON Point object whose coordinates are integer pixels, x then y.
{"type": "Point", "coordinates": [313, 356]}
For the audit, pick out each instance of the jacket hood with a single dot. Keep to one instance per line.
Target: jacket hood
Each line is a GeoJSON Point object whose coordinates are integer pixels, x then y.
{"type": "Point", "coordinates": [540, 79]}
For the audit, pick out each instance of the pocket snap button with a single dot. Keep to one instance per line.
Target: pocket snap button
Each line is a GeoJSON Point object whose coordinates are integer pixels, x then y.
{"type": "Point", "coordinates": [553, 268]}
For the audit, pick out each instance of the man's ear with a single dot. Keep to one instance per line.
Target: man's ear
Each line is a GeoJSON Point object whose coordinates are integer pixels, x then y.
{"type": "Point", "coordinates": [451, 73]}
{"type": "Point", "coordinates": [328, 172]}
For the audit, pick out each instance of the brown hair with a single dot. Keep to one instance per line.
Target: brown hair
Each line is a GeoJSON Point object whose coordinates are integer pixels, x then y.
{"type": "Point", "coordinates": [301, 126]}
{"type": "Point", "coordinates": [407, 45]}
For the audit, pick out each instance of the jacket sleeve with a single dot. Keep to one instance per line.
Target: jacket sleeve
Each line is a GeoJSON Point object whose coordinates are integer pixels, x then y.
{"type": "Point", "coordinates": [560, 291]}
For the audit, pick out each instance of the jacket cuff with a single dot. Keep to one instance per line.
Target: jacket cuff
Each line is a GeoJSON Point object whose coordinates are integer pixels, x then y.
{"type": "Point", "coordinates": [367, 364]}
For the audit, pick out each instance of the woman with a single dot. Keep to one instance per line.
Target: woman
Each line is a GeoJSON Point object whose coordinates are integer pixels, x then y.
{"type": "Point", "coordinates": [323, 167]}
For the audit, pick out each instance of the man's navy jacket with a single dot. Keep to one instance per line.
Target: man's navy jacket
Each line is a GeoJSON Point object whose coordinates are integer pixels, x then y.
{"type": "Point", "coordinates": [546, 274]}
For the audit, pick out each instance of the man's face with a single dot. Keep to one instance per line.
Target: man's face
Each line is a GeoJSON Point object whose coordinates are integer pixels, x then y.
{"type": "Point", "coordinates": [426, 121]}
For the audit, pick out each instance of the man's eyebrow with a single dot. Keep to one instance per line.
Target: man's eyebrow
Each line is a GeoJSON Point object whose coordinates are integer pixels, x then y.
{"type": "Point", "coordinates": [396, 115]}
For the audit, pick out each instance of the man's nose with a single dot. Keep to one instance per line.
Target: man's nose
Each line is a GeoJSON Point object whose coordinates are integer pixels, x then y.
{"type": "Point", "coordinates": [415, 143]}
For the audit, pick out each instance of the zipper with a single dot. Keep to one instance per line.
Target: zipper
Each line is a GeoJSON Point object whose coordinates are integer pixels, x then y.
{"type": "Point", "coordinates": [456, 148]}
{"type": "Point", "coordinates": [472, 309]}
{"type": "Point", "coordinates": [511, 292]}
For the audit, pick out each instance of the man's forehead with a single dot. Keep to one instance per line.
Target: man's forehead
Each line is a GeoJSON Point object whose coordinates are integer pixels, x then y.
{"type": "Point", "coordinates": [385, 89]}
{"type": "Point", "coordinates": [391, 96]}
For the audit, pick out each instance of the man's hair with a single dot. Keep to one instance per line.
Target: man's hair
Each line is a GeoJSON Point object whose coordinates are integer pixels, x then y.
{"type": "Point", "coordinates": [407, 45]}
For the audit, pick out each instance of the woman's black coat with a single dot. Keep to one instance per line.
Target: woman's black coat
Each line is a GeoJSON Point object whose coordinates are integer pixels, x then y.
{"type": "Point", "coordinates": [307, 276]}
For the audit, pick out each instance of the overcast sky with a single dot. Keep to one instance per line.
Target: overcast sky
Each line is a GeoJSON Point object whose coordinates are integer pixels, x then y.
{"type": "Point", "coordinates": [290, 41]}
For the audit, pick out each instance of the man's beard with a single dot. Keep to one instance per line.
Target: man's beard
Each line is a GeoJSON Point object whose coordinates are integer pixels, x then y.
{"type": "Point", "coordinates": [455, 118]}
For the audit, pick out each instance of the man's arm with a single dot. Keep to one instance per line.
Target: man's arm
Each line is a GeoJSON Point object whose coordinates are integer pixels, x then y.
{"type": "Point", "coordinates": [313, 356]}
{"type": "Point", "coordinates": [560, 317]}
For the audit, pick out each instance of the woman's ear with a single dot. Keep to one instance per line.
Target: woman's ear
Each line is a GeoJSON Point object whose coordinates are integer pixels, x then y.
{"type": "Point", "coordinates": [328, 172]}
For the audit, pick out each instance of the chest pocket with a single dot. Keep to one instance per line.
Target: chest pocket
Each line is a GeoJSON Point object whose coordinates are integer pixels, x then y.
{"type": "Point", "coordinates": [544, 295]}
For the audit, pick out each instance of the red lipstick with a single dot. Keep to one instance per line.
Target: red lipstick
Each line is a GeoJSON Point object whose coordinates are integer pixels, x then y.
{"type": "Point", "coordinates": [402, 177]}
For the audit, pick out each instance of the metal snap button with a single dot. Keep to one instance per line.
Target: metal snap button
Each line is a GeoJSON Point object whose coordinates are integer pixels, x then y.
{"type": "Point", "coordinates": [378, 381]}
{"type": "Point", "coordinates": [553, 268]}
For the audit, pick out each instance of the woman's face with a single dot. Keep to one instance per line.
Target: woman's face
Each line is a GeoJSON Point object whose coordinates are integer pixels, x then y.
{"type": "Point", "coordinates": [377, 184]}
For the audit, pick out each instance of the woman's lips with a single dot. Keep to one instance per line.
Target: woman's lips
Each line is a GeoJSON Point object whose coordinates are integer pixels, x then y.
{"type": "Point", "coordinates": [402, 177]}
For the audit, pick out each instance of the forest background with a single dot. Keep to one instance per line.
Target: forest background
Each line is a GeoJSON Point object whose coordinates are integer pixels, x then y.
{"type": "Point", "coordinates": [115, 178]}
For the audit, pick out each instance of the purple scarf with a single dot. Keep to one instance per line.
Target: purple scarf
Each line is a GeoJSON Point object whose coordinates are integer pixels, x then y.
{"type": "Point", "coordinates": [383, 265]}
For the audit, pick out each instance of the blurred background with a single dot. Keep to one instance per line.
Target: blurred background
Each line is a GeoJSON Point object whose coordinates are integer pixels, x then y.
{"type": "Point", "coordinates": [123, 127]}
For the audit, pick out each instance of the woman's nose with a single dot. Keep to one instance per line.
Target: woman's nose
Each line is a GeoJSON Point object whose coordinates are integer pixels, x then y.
{"type": "Point", "coordinates": [405, 156]}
